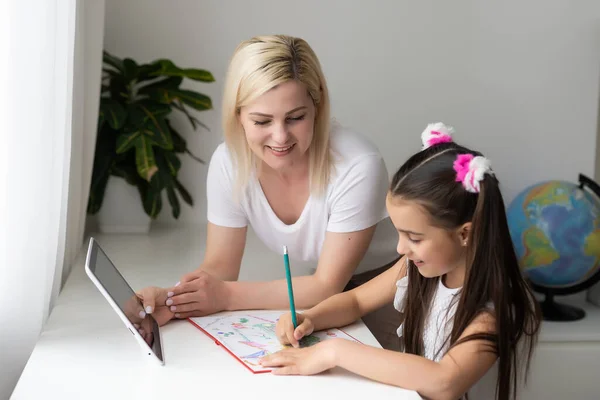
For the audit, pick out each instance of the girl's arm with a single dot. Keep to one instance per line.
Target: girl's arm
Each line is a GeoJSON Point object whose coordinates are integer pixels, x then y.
{"type": "Point", "coordinates": [345, 308]}
{"type": "Point", "coordinates": [449, 379]}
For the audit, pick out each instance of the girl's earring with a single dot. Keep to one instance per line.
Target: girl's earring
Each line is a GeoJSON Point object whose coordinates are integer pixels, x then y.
{"type": "Point", "coordinates": [465, 243]}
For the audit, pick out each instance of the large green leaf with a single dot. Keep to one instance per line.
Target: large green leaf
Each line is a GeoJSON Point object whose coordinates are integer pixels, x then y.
{"type": "Point", "coordinates": [126, 171]}
{"type": "Point", "coordinates": [171, 83]}
{"type": "Point", "coordinates": [193, 99]}
{"type": "Point", "coordinates": [172, 162]}
{"type": "Point", "coordinates": [137, 118]}
{"type": "Point", "coordinates": [118, 89]}
{"type": "Point", "coordinates": [113, 61]}
{"type": "Point", "coordinates": [144, 158]}
{"type": "Point", "coordinates": [168, 68]}
{"type": "Point", "coordinates": [179, 143]}
{"type": "Point", "coordinates": [113, 113]}
{"type": "Point", "coordinates": [153, 107]}
{"type": "Point", "coordinates": [152, 202]}
{"type": "Point", "coordinates": [126, 141]}
{"type": "Point", "coordinates": [159, 135]}
{"type": "Point", "coordinates": [146, 71]}
{"type": "Point", "coordinates": [130, 69]}
{"type": "Point", "coordinates": [156, 129]}
{"type": "Point", "coordinates": [165, 179]}
{"type": "Point", "coordinates": [185, 195]}
{"type": "Point", "coordinates": [141, 111]}
{"type": "Point", "coordinates": [174, 201]}
{"type": "Point", "coordinates": [104, 158]}
{"type": "Point", "coordinates": [148, 118]}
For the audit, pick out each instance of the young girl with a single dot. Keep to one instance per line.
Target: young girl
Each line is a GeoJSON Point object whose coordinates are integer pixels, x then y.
{"type": "Point", "coordinates": [464, 302]}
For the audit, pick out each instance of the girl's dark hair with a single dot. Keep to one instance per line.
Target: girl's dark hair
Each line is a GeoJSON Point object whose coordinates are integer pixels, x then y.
{"type": "Point", "coordinates": [492, 276]}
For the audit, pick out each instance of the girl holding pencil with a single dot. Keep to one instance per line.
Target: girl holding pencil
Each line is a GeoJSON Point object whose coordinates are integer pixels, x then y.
{"type": "Point", "coordinates": [464, 303]}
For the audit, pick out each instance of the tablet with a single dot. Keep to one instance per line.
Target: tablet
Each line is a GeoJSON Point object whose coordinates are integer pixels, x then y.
{"type": "Point", "coordinates": [121, 297]}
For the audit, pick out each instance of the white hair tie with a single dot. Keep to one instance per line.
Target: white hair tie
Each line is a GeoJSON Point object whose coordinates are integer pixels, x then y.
{"type": "Point", "coordinates": [436, 133]}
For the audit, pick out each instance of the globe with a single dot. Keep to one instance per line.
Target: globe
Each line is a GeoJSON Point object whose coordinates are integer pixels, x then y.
{"type": "Point", "coordinates": [555, 229]}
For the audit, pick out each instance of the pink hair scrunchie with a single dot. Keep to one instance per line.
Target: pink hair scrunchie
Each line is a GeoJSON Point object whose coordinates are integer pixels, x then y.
{"type": "Point", "coordinates": [470, 170]}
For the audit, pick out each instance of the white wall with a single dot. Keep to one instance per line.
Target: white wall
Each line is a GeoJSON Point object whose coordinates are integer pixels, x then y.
{"type": "Point", "coordinates": [510, 75]}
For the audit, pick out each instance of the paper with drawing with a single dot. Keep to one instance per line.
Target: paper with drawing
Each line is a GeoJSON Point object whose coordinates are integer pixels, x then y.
{"type": "Point", "coordinates": [251, 335]}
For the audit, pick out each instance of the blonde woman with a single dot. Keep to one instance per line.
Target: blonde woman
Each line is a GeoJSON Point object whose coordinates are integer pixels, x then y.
{"type": "Point", "coordinates": [297, 181]}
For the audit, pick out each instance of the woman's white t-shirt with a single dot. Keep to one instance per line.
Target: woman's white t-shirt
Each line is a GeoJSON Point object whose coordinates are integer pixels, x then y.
{"type": "Point", "coordinates": [354, 200]}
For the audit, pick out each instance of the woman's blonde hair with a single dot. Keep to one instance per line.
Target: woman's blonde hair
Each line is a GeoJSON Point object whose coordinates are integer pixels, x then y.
{"type": "Point", "coordinates": [257, 66]}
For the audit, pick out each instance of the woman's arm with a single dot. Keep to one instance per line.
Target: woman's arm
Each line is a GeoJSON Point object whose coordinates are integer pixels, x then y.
{"type": "Point", "coordinates": [213, 288]}
{"type": "Point", "coordinates": [339, 258]}
{"type": "Point", "coordinates": [224, 252]}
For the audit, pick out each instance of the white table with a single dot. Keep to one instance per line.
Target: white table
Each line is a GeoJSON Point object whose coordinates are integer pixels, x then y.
{"type": "Point", "coordinates": [86, 352]}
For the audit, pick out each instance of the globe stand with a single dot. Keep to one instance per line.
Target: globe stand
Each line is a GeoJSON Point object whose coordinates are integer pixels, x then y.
{"type": "Point", "coordinates": [552, 311]}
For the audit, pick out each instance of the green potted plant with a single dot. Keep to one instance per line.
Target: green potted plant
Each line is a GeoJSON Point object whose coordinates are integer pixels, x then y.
{"type": "Point", "coordinates": [135, 138]}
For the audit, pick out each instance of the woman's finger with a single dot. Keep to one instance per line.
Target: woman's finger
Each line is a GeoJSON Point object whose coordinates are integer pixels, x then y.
{"type": "Point", "coordinates": [151, 296]}
{"type": "Point", "coordinates": [190, 276]}
{"type": "Point", "coordinates": [183, 298]}
{"type": "Point", "coordinates": [183, 287]}
{"type": "Point", "coordinates": [185, 308]}
{"type": "Point", "coordinates": [191, 314]}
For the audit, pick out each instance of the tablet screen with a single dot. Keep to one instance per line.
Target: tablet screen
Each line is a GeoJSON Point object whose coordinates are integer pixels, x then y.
{"type": "Point", "coordinates": [124, 296]}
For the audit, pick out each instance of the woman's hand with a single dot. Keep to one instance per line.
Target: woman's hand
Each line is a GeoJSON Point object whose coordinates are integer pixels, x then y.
{"type": "Point", "coordinates": [285, 329]}
{"type": "Point", "coordinates": [198, 294]}
{"type": "Point", "coordinates": [304, 361]}
{"type": "Point", "coordinates": [153, 298]}
{"type": "Point", "coordinates": [134, 311]}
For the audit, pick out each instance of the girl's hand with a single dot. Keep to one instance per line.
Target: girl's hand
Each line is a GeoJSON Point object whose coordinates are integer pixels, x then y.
{"type": "Point", "coordinates": [285, 329]}
{"type": "Point", "coordinates": [198, 294]}
{"type": "Point", "coordinates": [304, 361]}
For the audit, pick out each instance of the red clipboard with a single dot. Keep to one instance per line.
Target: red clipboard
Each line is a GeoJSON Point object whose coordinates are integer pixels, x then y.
{"type": "Point", "coordinates": [248, 367]}
{"type": "Point", "coordinates": [218, 343]}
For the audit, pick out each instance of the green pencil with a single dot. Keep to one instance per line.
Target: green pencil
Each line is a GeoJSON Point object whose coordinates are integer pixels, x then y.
{"type": "Point", "coordinates": [288, 277]}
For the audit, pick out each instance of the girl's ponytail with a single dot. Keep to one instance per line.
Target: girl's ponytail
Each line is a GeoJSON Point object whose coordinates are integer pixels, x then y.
{"type": "Point", "coordinates": [495, 284]}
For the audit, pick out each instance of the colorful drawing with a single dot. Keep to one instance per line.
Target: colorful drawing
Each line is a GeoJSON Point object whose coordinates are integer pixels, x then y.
{"type": "Point", "coordinates": [243, 334]}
